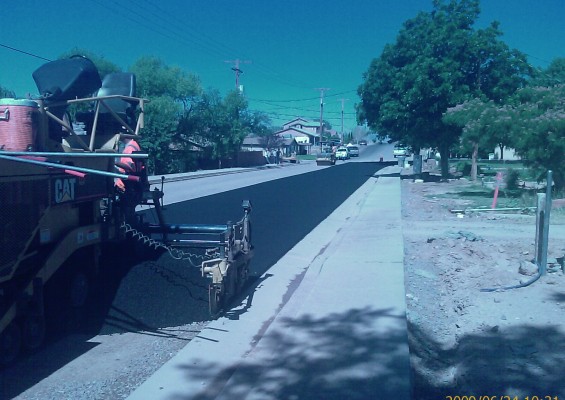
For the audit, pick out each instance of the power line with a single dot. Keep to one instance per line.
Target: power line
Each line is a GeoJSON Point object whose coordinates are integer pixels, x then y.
{"type": "Point", "coordinates": [197, 37]}
{"type": "Point", "coordinates": [209, 45]}
{"type": "Point", "coordinates": [298, 108]}
{"type": "Point", "coordinates": [306, 99]}
{"type": "Point", "coordinates": [24, 52]}
{"type": "Point", "coordinates": [119, 10]}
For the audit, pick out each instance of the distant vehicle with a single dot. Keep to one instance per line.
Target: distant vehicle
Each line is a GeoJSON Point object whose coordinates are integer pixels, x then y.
{"type": "Point", "coordinates": [326, 158]}
{"type": "Point", "coordinates": [401, 150]}
{"type": "Point", "coordinates": [342, 153]}
{"type": "Point", "coordinates": [353, 151]}
{"type": "Point", "coordinates": [362, 143]}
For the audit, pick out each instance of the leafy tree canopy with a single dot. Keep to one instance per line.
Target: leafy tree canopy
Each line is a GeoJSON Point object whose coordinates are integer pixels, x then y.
{"type": "Point", "coordinates": [553, 75]}
{"type": "Point", "coordinates": [539, 137]}
{"type": "Point", "coordinates": [104, 66]}
{"type": "Point", "coordinates": [260, 125]}
{"type": "Point", "coordinates": [155, 79]}
{"type": "Point", "coordinates": [219, 122]}
{"type": "Point", "coordinates": [171, 92]}
{"type": "Point", "coordinates": [437, 62]}
{"type": "Point", "coordinates": [484, 125]}
{"type": "Point", "coordinates": [5, 93]}
{"type": "Point", "coordinates": [161, 120]}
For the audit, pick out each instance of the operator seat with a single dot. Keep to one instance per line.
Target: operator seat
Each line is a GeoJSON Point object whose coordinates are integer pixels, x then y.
{"type": "Point", "coordinates": [119, 83]}
{"type": "Point", "coordinates": [116, 83]}
{"type": "Point", "coordinates": [108, 128]}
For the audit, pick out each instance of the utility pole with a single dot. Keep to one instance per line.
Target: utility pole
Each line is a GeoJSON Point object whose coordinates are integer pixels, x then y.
{"type": "Point", "coordinates": [342, 103]}
{"type": "Point", "coordinates": [322, 91]}
{"type": "Point", "coordinates": [236, 69]}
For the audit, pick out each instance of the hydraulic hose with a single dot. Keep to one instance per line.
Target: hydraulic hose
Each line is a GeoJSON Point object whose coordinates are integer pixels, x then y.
{"type": "Point", "coordinates": [521, 285]}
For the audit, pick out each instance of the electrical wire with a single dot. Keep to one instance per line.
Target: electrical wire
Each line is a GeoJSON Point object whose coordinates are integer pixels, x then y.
{"type": "Point", "coordinates": [156, 18]}
{"type": "Point", "coordinates": [24, 52]}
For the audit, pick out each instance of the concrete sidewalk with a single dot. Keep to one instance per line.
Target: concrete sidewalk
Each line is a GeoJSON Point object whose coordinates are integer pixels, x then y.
{"type": "Point", "coordinates": [326, 322]}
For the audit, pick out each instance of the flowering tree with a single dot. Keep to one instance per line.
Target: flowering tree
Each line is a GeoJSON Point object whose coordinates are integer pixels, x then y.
{"type": "Point", "coordinates": [539, 137]}
{"type": "Point", "coordinates": [484, 126]}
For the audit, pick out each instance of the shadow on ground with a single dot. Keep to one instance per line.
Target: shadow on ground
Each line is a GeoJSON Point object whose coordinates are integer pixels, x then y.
{"type": "Point", "coordinates": [523, 362]}
{"type": "Point", "coordinates": [335, 357]}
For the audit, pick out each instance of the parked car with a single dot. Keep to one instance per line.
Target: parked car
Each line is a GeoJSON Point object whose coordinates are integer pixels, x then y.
{"type": "Point", "coordinates": [400, 150]}
{"type": "Point", "coordinates": [353, 151]}
{"type": "Point", "coordinates": [342, 153]}
{"type": "Point", "coordinates": [362, 143]}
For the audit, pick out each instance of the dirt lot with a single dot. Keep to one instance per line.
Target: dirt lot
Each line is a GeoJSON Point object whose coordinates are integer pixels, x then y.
{"type": "Point", "coordinates": [466, 341]}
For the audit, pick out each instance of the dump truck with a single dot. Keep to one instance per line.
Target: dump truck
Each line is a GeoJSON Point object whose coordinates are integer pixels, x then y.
{"type": "Point", "coordinates": [60, 161]}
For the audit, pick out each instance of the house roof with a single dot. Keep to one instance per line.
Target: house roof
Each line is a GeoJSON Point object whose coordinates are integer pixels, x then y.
{"type": "Point", "coordinates": [252, 140]}
{"type": "Point", "coordinates": [303, 122]}
{"type": "Point", "coordinates": [295, 120]}
{"type": "Point", "coordinates": [297, 130]}
{"type": "Point", "coordinates": [312, 124]}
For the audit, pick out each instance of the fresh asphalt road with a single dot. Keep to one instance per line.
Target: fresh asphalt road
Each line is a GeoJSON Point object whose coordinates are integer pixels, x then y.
{"type": "Point", "coordinates": [284, 210]}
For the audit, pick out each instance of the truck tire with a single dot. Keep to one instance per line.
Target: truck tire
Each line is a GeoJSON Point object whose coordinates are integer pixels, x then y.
{"type": "Point", "coordinates": [10, 344]}
{"type": "Point", "coordinates": [78, 288]}
{"type": "Point", "coordinates": [33, 331]}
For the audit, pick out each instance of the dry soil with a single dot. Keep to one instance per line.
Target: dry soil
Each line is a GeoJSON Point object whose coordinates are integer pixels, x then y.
{"type": "Point", "coordinates": [470, 333]}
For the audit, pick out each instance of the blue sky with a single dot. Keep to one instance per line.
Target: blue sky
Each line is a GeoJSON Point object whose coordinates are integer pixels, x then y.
{"type": "Point", "coordinates": [288, 48]}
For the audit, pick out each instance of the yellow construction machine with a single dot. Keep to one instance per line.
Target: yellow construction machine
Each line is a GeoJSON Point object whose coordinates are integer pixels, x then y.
{"type": "Point", "coordinates": [59, 162]}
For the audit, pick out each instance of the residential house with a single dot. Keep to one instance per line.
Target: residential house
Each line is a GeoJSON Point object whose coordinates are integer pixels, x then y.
{"type": "Point", "coordinates": [252, 143]}
{"type": "Point", "coordinates": [303, 124]}
{"type": "Point", "coordinates": [299, 135]}
{"type": "Point", "coordinates": [297, 140]}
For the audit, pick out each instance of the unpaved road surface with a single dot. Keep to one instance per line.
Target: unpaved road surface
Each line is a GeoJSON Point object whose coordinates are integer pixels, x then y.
{"type": "Point", "coordinates": [468, 342]}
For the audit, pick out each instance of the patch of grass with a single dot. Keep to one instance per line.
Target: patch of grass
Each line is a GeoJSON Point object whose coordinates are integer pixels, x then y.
{"type": "Point", "coordinates": [491, 168]}
{"type": "Point", "coordinates": [481, 197]}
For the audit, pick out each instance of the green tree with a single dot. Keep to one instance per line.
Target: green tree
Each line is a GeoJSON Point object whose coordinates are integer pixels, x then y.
{"type": "Point", "coordinates": [260, 125]}
{"type": "Point", "coordinates": [437, 62]}
{"type": "Point", "coordinates": [540, 134]}
{"type": "Point", "coordinates": [469, 116]}
{"type": "Point", "coordinates": [219, 123]}
{"type": "Point", "coordinates": [161, 121]}
{"type": "Point", "coordinates": [171, 92]}
{"type": "Point", "coordinates": [553, 75]}
{"type": "Point", "coordinates": [155, 78]}
{"type": "Point", "coordinates": [103, 66]}
{"type": "Point", "coordinates": [484, 126]}
{"type": "Point", "coordinates": [6, 93]}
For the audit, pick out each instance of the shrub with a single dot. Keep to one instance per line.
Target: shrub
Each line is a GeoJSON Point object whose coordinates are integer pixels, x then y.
{"type": "Point", "coordinates": [464, 168]}
{"type": "Point", "coordinates": [511, 179]}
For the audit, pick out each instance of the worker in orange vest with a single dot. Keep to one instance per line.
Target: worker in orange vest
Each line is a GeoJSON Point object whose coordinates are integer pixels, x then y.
{"type": "Point", "coordinates": [126, 165]}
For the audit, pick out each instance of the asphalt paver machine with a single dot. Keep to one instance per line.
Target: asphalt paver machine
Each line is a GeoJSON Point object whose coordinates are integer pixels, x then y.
{"type": "Point", "coordinates": [59, 203]}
